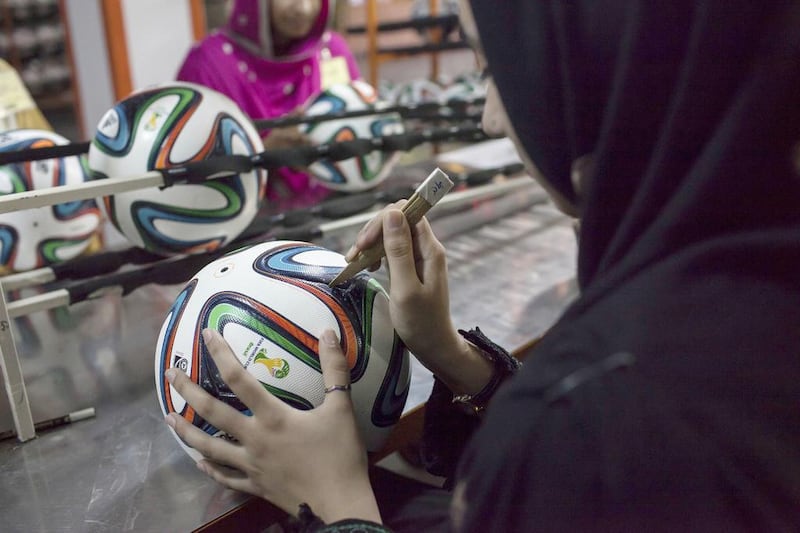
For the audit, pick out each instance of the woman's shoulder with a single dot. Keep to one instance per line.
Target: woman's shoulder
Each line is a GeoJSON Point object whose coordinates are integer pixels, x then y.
{"type": "Point", "coordinates": [335, 42]}
{"type": "Point", "coordinates": [209, 63]}
{"type": "Point", "coordinates": [214, 44]}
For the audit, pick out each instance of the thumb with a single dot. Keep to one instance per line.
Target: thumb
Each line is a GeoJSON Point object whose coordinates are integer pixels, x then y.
{"type": "Point", "coordinates": [335, 372]}
{"type": "Point", "coordinates": [399, 249]}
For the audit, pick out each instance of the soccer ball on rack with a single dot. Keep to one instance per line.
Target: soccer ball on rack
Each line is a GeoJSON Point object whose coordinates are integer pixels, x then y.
{"type": "Point", "coordinates": [356, 173]}
{"type": "Point", "coordinates": [168, 126]}
{"type": "Point", "coordinates": [33, 238]}
{"type": "Point", "coordinates": [271, 302]}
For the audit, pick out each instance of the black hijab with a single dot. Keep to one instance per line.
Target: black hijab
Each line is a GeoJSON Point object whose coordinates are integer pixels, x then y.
{"type": "Point", "coordinates": [668, 395]}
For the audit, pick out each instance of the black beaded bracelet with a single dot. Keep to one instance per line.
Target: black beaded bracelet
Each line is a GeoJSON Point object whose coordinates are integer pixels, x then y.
{"type": "Point", "coordinates": [308, 522]}
{"type": "Point", "coordinates": [504, 364]}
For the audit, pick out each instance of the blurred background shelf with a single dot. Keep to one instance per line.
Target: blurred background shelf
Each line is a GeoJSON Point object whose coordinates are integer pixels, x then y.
{"type": "Point", "coordinates": [397, 29]}
{"type": "Point", "coordinates": [33, 41]}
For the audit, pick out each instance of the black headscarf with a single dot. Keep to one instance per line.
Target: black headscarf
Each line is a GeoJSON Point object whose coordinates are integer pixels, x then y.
{"type": "Point", "coordinates": [668, 395]}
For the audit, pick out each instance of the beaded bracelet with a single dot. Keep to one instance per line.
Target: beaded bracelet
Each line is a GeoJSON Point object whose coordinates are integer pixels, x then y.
{"type": "Point", "coordinates": [504, 364]}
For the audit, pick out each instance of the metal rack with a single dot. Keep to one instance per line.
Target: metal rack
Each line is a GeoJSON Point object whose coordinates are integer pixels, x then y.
{"type": "Point", "coordinates": [432, 26]}
{"type": "Point", "coordinates": [34, 43]}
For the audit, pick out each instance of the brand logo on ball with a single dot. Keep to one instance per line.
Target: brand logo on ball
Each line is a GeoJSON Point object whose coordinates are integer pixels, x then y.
{"type": "Point", "coordinates": [181, 363]}
{"type": "Point", "coordinates": [43, 167]}
{"type": "Point", "coordinates": [109, 125]}
{"type": "Point", "coordinates": [278, 368]}
{"type": "Point", "coordinates": [152, 123]}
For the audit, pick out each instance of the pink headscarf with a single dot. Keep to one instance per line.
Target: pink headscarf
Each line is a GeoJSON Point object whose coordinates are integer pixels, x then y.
{"type": "Point", "coordinates": [249, 25]}
{"type": "Point", "coordinates": [238, 60]}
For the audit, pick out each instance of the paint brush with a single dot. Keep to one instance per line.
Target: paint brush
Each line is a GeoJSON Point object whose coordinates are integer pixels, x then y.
{"type": "Point", "coordinates": [75, 416]}
{"type": "Point", "coordinates": [435, 186]}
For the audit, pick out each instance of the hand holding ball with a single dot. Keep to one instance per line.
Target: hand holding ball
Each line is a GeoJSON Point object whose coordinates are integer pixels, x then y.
{"type": "Point", "coordinates": [270, 302]}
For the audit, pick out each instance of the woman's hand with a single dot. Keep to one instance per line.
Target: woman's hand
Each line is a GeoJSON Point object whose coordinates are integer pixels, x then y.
{"type": "Point", "coordinates": [288, 137]}
{"type": "Point", "coordinates": [420, 300]}
{"type": "Point", "coordinates": [284, 455]}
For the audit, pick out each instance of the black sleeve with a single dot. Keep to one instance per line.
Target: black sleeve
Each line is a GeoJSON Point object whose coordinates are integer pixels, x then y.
{"type": "Point", "coordinates": [448, 426]}
{"type": "Point", "coordinates": [602, 451]}
{"type": "Point", "coordinates": [446, 430]}
{"type": "Point", "coordinates": [308, 522]}
{"type": "Point", "coordinates": [351, 526]}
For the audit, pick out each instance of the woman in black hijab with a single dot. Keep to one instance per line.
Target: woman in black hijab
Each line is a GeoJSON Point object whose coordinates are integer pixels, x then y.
{"type": "Point", "coordinates": [668, 396]}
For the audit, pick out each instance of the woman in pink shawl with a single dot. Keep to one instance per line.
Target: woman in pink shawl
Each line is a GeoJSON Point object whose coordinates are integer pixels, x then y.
{"type": "Point", "coordinates": [270, 58]}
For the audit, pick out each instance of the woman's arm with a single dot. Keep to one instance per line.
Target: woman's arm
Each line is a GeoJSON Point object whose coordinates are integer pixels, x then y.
{"type": "Point", "coordinates": [420, 301]}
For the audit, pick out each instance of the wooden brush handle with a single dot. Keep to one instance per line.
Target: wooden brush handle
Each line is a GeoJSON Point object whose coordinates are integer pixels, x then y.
{"type": "Point", "coordinates": [430, 192]}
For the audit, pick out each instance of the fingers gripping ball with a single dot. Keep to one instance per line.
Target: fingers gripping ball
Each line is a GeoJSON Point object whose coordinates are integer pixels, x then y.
{"type": "Point", "coordinates": [33, 238]}
{"type": "Point", "coordinates": [271, 302]}
{"type": "Point", "coordinates": [168, 126]}
{"type": "Point", "coordinates": [357, 173]}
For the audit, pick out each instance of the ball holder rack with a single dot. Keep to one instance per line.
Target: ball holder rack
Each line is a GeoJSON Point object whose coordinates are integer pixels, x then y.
{"type": "Point", "coordinates": [179, 269]}
{"type": "Point", "coordinates": [450, 111]}
{"type": "Point", "coordinates": [297, 222]}
{"type": "Point", "coordinates": [230, 165]}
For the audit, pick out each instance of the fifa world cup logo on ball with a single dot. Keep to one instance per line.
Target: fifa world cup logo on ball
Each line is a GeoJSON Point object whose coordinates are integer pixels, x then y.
{"type": "Point", "coordinates": [278, 368]}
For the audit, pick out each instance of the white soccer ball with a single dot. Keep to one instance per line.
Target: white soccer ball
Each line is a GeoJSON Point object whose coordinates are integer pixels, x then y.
{"type": "Point", "coordinates": [467, 87]}
{"type": "Point", "coordinates": [33, 238]}
{"type": "Point", "coordinates": [271, 302]}
{"type": "Point", "coordinates": [357, 173]}
{"type": "Point", "coordinates": [421, 91]}
{"type": "Point", "coordinates": [167, 126]}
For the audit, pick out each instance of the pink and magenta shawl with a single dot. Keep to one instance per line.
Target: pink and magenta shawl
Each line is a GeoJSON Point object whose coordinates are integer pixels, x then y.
{"type": "Point", "coordinates": [238, 61]}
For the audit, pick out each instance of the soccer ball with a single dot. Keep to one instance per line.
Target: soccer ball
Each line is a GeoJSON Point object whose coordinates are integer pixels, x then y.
{"type": "Point", "coordinates": [271, 302]}
{"type": "Point", "coordinates": [466, 87]}
{"type": "Point", "coordinates": [422, 91]}
{"type": "Point", "coordinates": [357, 173]}
{"type": "Point", "coordinates": [33, 238]}
{"type": "Point", "coordinates": [168, 126]}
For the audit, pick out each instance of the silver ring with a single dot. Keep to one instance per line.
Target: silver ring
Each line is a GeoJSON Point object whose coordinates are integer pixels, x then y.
{"type": "Point", "coordinates": [337, 387]}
